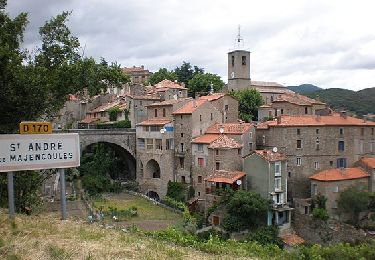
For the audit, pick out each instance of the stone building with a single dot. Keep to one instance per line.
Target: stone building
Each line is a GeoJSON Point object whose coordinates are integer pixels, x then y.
{"type": "Point", "coordinates": [266, 173]}
{"type": "Point", "coordinates": [138, 107]}
{"type": "Point", "coordinates": [101, 114]}
{"type": "Point", "coordinates": [291, 104]}
{"type": "Point", "coordinates": [313, 143]}
{"type": "Point", "coordinates": [368, 164]}
{"type": "Point", "coordinates": [138, 75]}
{"type": "Point", "coordinates": [167, 89]}
{"type": "Point", "coordinates": [330, 183]}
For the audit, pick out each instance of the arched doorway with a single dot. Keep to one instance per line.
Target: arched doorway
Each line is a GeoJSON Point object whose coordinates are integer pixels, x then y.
{"type": "Point", "coordinates": [153, 195]}
{"type": "Point", "coordinates": [152, 169]}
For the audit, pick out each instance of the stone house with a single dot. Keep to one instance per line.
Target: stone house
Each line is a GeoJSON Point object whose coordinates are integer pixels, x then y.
{"type": "Point", "coordinates": [266, 173]}
{"type": "Point", "coordinates": [226, 104]}
{"type": "Point", "coordinates": [138, 75]}
{"type": "Point", "coordinates": [331, 182]}
{"type": "Point", "coordinates": [368, 164]}
{"type": "Point", "coordinates": [167, 89]}
{"type": "Point", "coordinates": [291, 104]}
{"type": "Point", "coordinates": [313, 143]}
{"type": "Point", "coordinates": [138, 107]}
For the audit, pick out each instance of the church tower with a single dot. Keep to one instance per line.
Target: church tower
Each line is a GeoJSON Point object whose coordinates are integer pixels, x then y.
{"type": "Point", "coordinates": [238, 66]}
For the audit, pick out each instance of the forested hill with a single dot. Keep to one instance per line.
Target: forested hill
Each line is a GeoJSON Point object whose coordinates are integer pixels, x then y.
{"type": "Point", "coordinates": [304, 88]}
{"type": "Point", "coordinates": [360, 102]}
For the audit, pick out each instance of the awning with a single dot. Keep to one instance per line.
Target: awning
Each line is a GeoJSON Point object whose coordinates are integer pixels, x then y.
{"type": "Point", "coordinates": [225, 176]}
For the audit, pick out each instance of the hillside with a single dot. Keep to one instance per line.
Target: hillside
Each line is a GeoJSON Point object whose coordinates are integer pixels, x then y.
{"type": "Point", "coordinates": [304, 88]}
{"type": "Point", "coordinates": [359, 102]}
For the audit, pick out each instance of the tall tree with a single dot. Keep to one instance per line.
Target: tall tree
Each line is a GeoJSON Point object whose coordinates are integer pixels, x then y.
{"type": "Point", "coordinates": [353, 201]}
{"type": "Point", "coordinates": [249, 101]}
{"type": "Point", "coordinates": [202, 83]}
{"type": "Point", "coordinates": [186, 72]}
{"type": "Point", "coordinates": [162, 74]}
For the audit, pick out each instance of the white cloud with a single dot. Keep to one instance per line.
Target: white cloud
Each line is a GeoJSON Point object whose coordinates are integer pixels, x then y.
{"type": "Point", "coordinates": [327, 43]}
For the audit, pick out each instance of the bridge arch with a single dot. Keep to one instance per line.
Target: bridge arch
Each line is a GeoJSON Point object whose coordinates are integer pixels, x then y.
{"type": "Point", "coordinates": [152, 169]}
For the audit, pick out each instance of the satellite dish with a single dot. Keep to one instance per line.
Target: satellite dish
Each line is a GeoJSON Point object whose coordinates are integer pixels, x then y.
{"type": "Point", "coordinates": [238, 182]}
{"type": "Point", "coordinates": [274, 149]}
{"type": "Point", "coordinates": [221, 130]}
{"type": "Point", "coordinates": [162, 131]}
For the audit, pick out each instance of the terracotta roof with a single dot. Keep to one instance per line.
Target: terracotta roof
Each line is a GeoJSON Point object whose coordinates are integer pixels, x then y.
{"type": "Point", "coordinates": [229, 128]}
{"type": "Point", "coordinates": [119, 104]}
{"type": "Point", "coordinates": [168, 102]}
{"type": "Point", "coordinates": [167, 84]}
{"type": "Point", "coordinates": [270, 155]}
{"type": "Point", "coordinates": [313, 120]}
{"type": "Point", "coordinates": [189, 107]}
{"type": "Point", "coordinates": [292, 239]}
{"type": "Point", "coordinates": [369, 162]}
{"type": "Point", "coordinates": [205, 139]}
{"type": "Point", "coordinates": [224, 142]}
{"type": "Point", "coordinates": [214, 96]}
{"type": "Point", "coordinates": [89, 120]}
{"type": "Point", "coordinates": [340, 174]}
{"type": "Point", "coordinates": [297, 99]}
{"type": "Point", "coordinates": [225, 176]}
{"type": "Point", "coordinates": [154, 122]}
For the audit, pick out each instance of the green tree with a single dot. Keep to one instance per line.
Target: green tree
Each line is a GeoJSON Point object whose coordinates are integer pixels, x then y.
{"type": "Point", "coordinates": [246, 210]}
{"type": "Point", "coordinates": [186, 72]}
{"type": "Point", "coordinates": [202, 83]}
{"type": "Point", "coordinates": [353, 200]}
{"type": "Point", "coordinates": [161, 75]}
{"type": "Point", "coordinates": [249, 100]}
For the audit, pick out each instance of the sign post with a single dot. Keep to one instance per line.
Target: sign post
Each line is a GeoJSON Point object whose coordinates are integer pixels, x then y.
{"type": "Point", "coordinates": [36, 152]}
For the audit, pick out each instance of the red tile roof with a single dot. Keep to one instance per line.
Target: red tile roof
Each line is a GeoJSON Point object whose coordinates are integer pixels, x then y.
{"type": "Point", "coordinates": [214, 96]}
{"type": "Point", "coordinates": [89, 120]}
{"type": "Point", "coordinates": [225, 176]}
{"type": "Point", "coordinates": [297, 99]}
{"type": "Point", "coordinates": [167, 84]}
{"type": "Point", "coordinates": [119, 104]}
{"type": "Point", "coordinates": [205, 139]}
{"type": "Point", "coordinates": [313, 120]}
{"type": "Point", "coordinates": [224, 142]}
{"type": "Point", "coordinates": [270, 155]}
{"type": "Point", "coordinates": [154, 122]}
{"type": "Point", "coordinates": [340, 174]}
{"type": "Point", "coordinates": [369, 162]}
{"type": "Point", "coordinates": [229, 128]}
{"type": "Point", "coordinates": [292, 239]}
{"type": "Point", "coordinates": [190, 107]}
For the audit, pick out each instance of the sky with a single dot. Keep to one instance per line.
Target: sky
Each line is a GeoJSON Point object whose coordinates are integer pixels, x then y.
{"type": "Point", "coordinates": [330, 44]}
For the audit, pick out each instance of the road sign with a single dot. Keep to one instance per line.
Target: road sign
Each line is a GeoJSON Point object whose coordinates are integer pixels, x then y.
{"type": "Point", "coordinates": [35, 152]}
{"type": "Point", "coordinates": [35, 128]}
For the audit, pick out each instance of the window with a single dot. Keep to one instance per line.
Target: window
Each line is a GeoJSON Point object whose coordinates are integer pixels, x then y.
{"type": "Point", "coordinates": [316, 165]}
{"type": "Point", "coordinates": [199, 193]}
{"type": "Point", "coordinates": [155, 128]}
{"type": "Point", "coordinates": [336, 189]}
{"type": "Point", "coordinates": [239, 151]}
{"type": "Point", "coordinates": [278, 198]}
{"type": "Point", "coordinates": [277, 168]}
{"type": "Point", "coordinates": [298, 131]}
{"type": "Point", "coordinates": [156, 112]}
{"type": "Point", "coordinates": [232, 61]}
{"type": "Point", "coordinates": [289, 174]}
{"type": "Point", "coordinates": [341, 163]}
{"type": "Point", "coordinates": [200, 117]}
{"type": "Point", "coordinates": [158, 144]}
{"type": "Point", "coordinates": [362, 131]}
{"type": "Point", "coordinates": [201, 162]}
{"type": "Point", "coordinates": [264, 140]}
{"type": "Point", "coordinates": [169, 144]}
{"type": "Point", "coordinates": [299, 161]}
{"type": "Point", "coordinates": [317, 131]}
{"type": "Point", "coordinates": [182, 147]}
{"type": "Point", "coordinates": [341, 146]}
{"type": "Point", "coordinates": [331, 163]}
{"type": "Point", "coordinates": [299, 144]}
{"type": "Point", "coordinates": [282, 111]}
{"type": "Point", "coordinates": [182, 134]}
{"type": "Point", "coordinates": [250, 146]}
{"type": "Point", "coordinates": [200, 179]}
{"type": "Point", "coordinates": [182, 163]}
{"type": "Point", "coordinates": [183, 179]}
{"type": "Point", "coordinates": [277, 184]}
{"type": "Point", "coordinates": [163, 112]}
{"type": "Point", "coordinates": [314, 189]}
{"type": "Point", "coordinates": [217, 152]}
{"type": "Point", "coordinates": [217, 166]}
{"type": "Point", "coordinates": [200, 147]}
{"type": "Point", "coordinates": [141, 143]}
{"type": "Point", "coordinates": [243, 60]}
{"type": "Point", "coordinates": [226, 107]}
{"type": "Point", "coordinates": [212, 117]}
{"type": "Point", "coordinates": [341, 131]}
{"type": "Point", "coordinates": [181, 116]}
{"type": "Point", "coordinates": [306, 111]}
{"type": "Point", "coordinates": [150, 144]}
{"type": "Point", "coordinates": [317, 143]}
{"type": "Point", "coordinates": [251, 134]}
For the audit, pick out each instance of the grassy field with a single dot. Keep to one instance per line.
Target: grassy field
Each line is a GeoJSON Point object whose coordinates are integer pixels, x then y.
{"type": "Point", "coordinates": [47, 237]}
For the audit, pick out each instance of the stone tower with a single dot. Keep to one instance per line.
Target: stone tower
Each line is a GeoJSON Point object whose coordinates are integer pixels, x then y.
{"type": "Point", "coordinates": [238, 66]}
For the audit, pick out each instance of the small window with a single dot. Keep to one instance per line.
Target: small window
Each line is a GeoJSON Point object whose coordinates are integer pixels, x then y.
{"type": "Point", "coordinates": [217, 152]}
{"type": "Point", "coordinates": [232, 61]}
{"type": "Point", "coordinates": [182, 147]}
{"type": "Point", "coordinates": [341, 163]}
{"type": "Point", "coordinates": [314, 189]}
{"type": "Point", "coordinates": [200, 117]}
{"type": "Point", "coordinates": [163, 112]}
{"type": "Point", "coordinates": [199, 193]}
{"type": "Point", "coordinates": [317, 143]}
{"type": "Point", "coordinates": [317, 131]}
{"type": "Point", "coordinates": [183, 179]}
{"type": "Point", "coordinates": [299, 161]}
{"type": "Point", "coordinates": [282, 111]}
{"type": "Point", "coordinates": [182, 134]}
{"type": "Point", "coordinates": [298, 131]}
{"type": "Point", "coordinates": [182, 163]}
{"type": "Point", "coordinates": [217, 166]}
{"type": "Point", "coordinates": [239, 151]}
{"type": "Point", "coordinates": [341, 146]}
{"type": "Point", "coordinates": [306, 111]}
{"type": "Point", "coordinates": [336, 189]}
{"type": "Point", "coordinates": [277, 168]}
{"type": "Point", "coordinates": [250, 146]}
{"type": "Point", "coordinates": [226, 107]}
{"type": "Point", "coordinates": [330, 163]}
{"type": "Point", "coordinates": [277, 184]}
{"type": "Point", "coordinates": [299, 144]}
{"type": "Point", "coordinates": [200, 147]}
{"type": "Point", "coordinates": [181, 116]}
{"type": "Point", "coordinates": [341, 131]}
{"type": "Point", "coordinates": [156, 112]}
{"type": "Point", "coordinates": [201, 162]}
{"type": "Point", "coordinates": [316, 165]}
{"type": "Point", "coordinates": [212, 117]}
{"type": "Point", "coordinates": [289, 174]}
{"type": "Point", "coordinates": [251, 134]}
{"type": "Point", "coordinates": [200, 179]}
{"type": "Point", "coordinates": [243, 60]}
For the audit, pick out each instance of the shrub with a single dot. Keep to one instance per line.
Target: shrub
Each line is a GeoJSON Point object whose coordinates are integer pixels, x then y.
{"type": "Point", "coordinates": [320, 213]}
{"type": "Point", "coordinates": [176, 190]}
{"type": "Point", "coordinates": [266, 236]}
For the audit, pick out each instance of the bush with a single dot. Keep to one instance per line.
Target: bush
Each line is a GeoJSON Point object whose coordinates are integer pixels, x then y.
{"type": "Point", "coordinates": [321, 214]}
{"type": "Point", "coordinates": [176, 190]}
{"type": "Point", "coordinates": [206, 235]}
{"type": "Point", "coordinates": [266, 236]}
{"type": "Point", "coordinates": [130, 185]}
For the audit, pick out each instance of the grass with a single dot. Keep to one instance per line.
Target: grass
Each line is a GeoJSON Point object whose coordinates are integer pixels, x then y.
{"type": "Point", "coordinates": [47, 237]}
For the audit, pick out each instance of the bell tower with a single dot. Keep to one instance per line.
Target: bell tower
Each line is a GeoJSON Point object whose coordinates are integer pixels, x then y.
{"type": "Point", "coordinates": [238, 65]}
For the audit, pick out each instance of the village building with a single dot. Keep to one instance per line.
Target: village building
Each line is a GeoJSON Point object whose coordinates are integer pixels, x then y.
{"type": "Point", "coordinates": [167, 89]}
{"type": "Point", "coordinates": [266, 173]}
{"type": "Point", "coordinates": [368, 164]}
{"type": "Point", "coordinates": [331, 182]}
{"type": "Point", "coordinates": [138, 107]}
{"type": "Point", "coordinates": [138, 75]}
{"type": "Point", "coordinates": [313, 143]}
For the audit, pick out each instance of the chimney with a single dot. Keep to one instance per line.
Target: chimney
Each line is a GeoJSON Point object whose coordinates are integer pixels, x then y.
{"type": "Point", "coordinates": [278, 118]}
{"type": "Point", "coordinates": [343, 114]}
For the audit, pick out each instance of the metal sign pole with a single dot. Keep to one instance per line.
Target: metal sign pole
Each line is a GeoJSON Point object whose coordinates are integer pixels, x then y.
{"type": "Point", "coordinates": [62, 193]}
{"type": "Point", "coordinates": [11, 195]}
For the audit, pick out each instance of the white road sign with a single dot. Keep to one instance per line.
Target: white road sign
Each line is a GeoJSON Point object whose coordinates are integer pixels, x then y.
{"type": "Point", "coordinates": [38, 151]}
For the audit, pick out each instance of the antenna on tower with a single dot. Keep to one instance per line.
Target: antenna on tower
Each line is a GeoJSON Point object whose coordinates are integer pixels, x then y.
{"type": "Point", "coordinates": [239, 42]}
